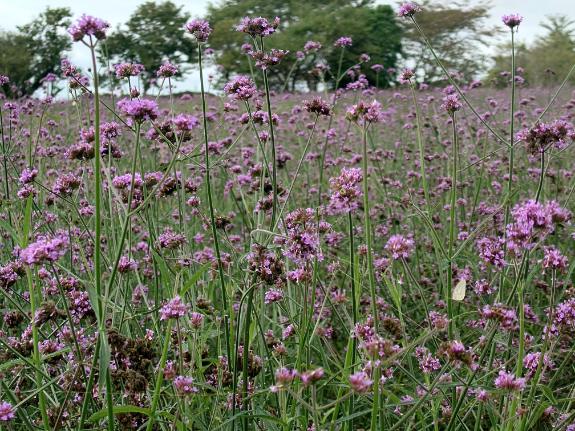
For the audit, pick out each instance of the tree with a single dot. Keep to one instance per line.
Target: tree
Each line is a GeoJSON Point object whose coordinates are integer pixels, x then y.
{"type": "Point", "coordinates": [373, 29]}
{"type": "Point", "coordinates": [457, 33]}
{"type": "Point", "coordinates": [34, 50]}
{"type": "Point", "coordinates": [153, 34]}
{"type": "Point", "coordinates": [547, 61]}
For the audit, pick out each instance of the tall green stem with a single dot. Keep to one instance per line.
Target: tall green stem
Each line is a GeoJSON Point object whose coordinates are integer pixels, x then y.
{"type": "Point", "coordinates": [211, 205]}
{"type": "Point", "coordinates": [367, 228]}
{"type": "Point", "coordinates": [452, 224]}
{"type": "Point", "coordinates": [98, 230]}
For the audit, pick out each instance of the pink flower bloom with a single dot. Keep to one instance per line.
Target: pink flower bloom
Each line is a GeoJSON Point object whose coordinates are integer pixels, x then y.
{"type": "Point", "coordinates": [185, 385]}
{"type": "Point", "coordinates": [508, 381]}
{"type": "Point", "coordinates": [512, 20]}
{"type": "Point", "coordinates": [88, 26]}
{"type": "Point", "coordinates": [360, 382]}
{"type": "Point", "coordinates": [6, 412]}
{"type": "Point", "coordinates": [408, 9]}
{"type": "Point", "coordinates": [200, 29]}
{"type": "Point", "coordinates": [399, 246]}
{"type": "Point", "coordinates": [173, 309]}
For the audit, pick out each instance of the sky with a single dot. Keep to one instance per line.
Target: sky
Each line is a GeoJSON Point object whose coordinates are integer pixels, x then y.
{"type": "Point", "coordinates": [18, 12]}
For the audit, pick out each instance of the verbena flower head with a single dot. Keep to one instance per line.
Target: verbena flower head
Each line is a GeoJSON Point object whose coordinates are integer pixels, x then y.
{"type": "Point", "coordinates": [185, 385]}
{"type": "Point", "coordinates": [365, 113]}
{"type": "Point", "coordinates": [125, 70]}
{"type": "Point", "coordinates": [451, 103]}
{"type": "Point", "coordinates": [186, 122]}
{"type": "Point", "coordinates": [311, 46]}
{"type": "Point", "coordinates": [317, 106]}
{"type": "Point", "coordinates": [167, 70]}
{"type": "Point", "coordinates": [200, 29]}
{"type": "Point", "coordinates": [399, 247]}
{"type": "Point", "coordinates": [508, 381]}
{"type": "Point", "coordinates": [512, 20]}
{"type": "Point", "coordinates": [46, 249]}
{"type": "Point", "coordinates": [258, 26]}
{"type": "Point", "coordinates": [173, 309]}
{"type": "Point", "coordinates": [343, 41]}
{"type": "Point", "coordinates": [544, 135]}
{"type": "Point", "coordinates": [7, 412]}
{"type": "Point", "coordinates": [88, 26]}
{"type": "Point", "coordinates": [4, 80]}
{"type": "Point", "coordinates": [345, 191]}
{"type": "Point", "coordinates": [241, 88]}
{"type": "Point", "coordinates": [408, 9]}
{"type": "Point", "coordinates": [405, 76]}
{"type": "Point", "coordinates": [360, 382]}
{"type": "Point", "coordinates": [139, 110]}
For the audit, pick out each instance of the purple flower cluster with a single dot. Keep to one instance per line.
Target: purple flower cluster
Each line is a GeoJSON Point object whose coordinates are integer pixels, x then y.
{"type": "Point", "coordinates": [399, 247]}
{"type": "Point", "coordinates": [365, 113]}
{"type": "Point", "coordinates": [173, 309]}
{"type": "Point", "coordinates": [125, 70]}
{"type": "Point", "coordinates": [509, 382]}
{"type": "Point", "coordinates": [45, 250]}
{"type": "Point", "coordinates": [545, 135]}
{"type": "Point", "coordinates": [7, 412]}
{"type": "Point", "coordinates": [408, 9]}
{"type": "Point", "coordinates": [240, 88]}
{"type": "Point", "coordinates": [139, 110]}
{"type": "Point", "coordinates": [200, 29]}
{"type": "Point", "coordinates": [343, 42]}
{"type": "Point", "coordinates": [167, 70]}
{"type": "Point", "coordinates": [258, 27]}
{"type": "Point", "coordinates": [88, 26]}
{"type": "Point", "coordinates": [512, 20]}
{"type": "Point", "coordinates": [345, 191]}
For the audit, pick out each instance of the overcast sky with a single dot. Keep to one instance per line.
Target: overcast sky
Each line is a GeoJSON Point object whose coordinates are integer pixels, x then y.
{"type": "Point", "coordinates": [17, 12]}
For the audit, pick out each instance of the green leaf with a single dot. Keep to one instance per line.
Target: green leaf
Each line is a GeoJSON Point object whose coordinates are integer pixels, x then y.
{"type": "Point", "coordinates": [101, 414]}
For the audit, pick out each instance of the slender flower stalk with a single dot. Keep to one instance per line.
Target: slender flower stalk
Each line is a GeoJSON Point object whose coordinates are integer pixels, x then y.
{"type": "Point", "coordinates": [367, 227]}
{"type": "Point", "coordinates": [452, 225]}
{"type": "Point", "coordinates": [223, 288]}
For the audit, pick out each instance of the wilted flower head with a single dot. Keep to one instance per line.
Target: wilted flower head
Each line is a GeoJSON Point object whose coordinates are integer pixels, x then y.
{"type": "Point", "coordinates": [258, 26]}
{"type": "Point", "coordinates": [408, 9]}
{"type": "Point", "coordinates": [200, 29]}
{"type": "Point", "coordinates": [88, 26]}
{"type": "Point", "coordinates": [512, 20]}
{"type": "Point", "coordinates": [317, 106]}
{"type": "Point", "coordinates": [139, 110]}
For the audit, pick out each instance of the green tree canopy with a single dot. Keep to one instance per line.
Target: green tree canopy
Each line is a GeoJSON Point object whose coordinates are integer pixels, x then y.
{"type": "Point", "coordinates": [373, 29]}
{"type": "Point", "coordinates": [457, 32]}
{"type": "Point", "coordinates": [35, 50]}
{"type": "Point", "coordinates": [153, 34]}
{"type": "Point", "coordinates": [547, 61]}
